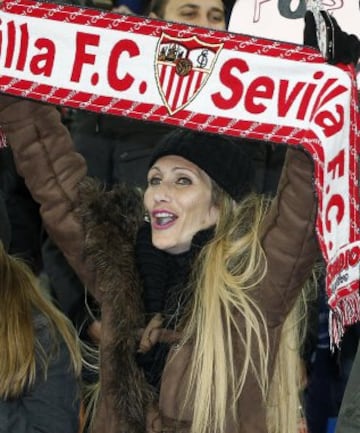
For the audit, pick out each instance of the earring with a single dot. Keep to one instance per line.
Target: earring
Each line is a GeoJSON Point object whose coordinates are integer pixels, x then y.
{"type": "Point", "coordinates": [146, 217]}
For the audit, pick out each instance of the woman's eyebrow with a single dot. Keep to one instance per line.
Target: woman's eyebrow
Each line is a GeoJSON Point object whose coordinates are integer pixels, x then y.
{"type": "Point", "coordinates": [191, 5]}
{"type": "Point", "coordinates": [180, 167]}
{"type": "Point", "coordinates": [154, 168]}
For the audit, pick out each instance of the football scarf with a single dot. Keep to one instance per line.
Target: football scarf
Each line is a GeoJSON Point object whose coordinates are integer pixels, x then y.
{"type": "Point", "coordinates": [219, 82]}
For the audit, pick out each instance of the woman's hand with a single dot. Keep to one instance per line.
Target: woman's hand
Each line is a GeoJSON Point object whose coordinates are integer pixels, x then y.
{"type": "Point", "coordinates": [150, 335]}
{"type": "Point", "coordinates": [344, 48]}
{"type": "Point", "coordinates": [94, 331]}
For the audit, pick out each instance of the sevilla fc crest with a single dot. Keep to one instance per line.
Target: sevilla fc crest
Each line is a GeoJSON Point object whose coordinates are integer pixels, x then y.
{"type": "Point", "coordinates": [183, 66]}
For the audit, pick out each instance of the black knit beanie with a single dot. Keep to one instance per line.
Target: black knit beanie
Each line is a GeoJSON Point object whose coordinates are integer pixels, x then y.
{"type": "Point", "coordinates": [227, 161]}
{"type": "Point", "coordinates": [5, 228]}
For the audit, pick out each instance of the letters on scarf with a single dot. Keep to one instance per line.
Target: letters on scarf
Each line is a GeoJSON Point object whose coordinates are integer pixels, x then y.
{"type": "Point", "coordinates": [197, 78]}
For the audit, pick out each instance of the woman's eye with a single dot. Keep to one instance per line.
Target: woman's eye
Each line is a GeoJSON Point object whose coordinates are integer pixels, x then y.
{"type": "Point", "coordinates": [188, 15]}
{"type": "Point", "coordinates": [184, 181]}
{"type": "Point", "coordinates": [217, 17]}
{"type": "Point", "coordinates": [154, 180]}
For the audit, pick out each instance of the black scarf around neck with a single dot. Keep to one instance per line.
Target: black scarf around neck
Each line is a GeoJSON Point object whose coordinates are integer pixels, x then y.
{"type": "Point", "coordinates": [165, 276]}
{"type": "Point", "coordinates": [165, 280]}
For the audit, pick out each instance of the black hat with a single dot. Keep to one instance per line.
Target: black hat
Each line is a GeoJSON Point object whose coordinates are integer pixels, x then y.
{"type": "Point", "coordinates": [5, 229]}
{"type": "Point", "coordinates": [227, 161]}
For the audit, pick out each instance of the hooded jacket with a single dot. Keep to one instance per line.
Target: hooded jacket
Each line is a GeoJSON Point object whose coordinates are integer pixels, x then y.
{"type": "Point", "coordinates": [96, 231]}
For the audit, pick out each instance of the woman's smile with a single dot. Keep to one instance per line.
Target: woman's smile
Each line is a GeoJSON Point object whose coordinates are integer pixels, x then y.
{"type": "Point", "coordinates": [179, 201]}
{"type": "Point", "coordinates": [162, 219]}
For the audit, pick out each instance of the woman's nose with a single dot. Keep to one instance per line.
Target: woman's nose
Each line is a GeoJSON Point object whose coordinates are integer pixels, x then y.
{"type": "Point", "coordinates": [202, 21]}
{"type": "Point", "coordinates": [162, 193]}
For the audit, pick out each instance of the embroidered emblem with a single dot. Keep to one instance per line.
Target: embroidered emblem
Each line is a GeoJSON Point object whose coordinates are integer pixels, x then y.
{"type": "Point", "coordinates": [182, 68]}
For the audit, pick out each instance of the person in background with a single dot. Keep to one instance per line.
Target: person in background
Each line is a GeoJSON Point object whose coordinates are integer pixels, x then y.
{"type": "Point", "coordinates": [130, 7]}
{"type": "Point", "coordinates": [39, 351]}
{"type": "Point", "coordinates": [209, 13]}
{"type": "Point", "coordinates": [349, 415]}
{"type": "Point", "coordinates": [327, 369]}
{"type": "Point", "coordinates": [23, 212]}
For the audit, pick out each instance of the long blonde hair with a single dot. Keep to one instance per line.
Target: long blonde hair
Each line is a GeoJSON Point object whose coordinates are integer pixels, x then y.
{"type": "Point", "coordinates": [228, 271]}
{"type": "Point", "coordinates": [20, 297]}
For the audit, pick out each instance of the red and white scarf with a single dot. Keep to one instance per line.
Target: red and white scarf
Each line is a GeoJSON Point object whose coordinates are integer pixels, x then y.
{"type": "Point", "coordinates": [207, 80]}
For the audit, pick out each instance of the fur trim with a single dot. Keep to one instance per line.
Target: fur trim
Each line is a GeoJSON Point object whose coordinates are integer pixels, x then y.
{"type": "Point", "coordinates": [111, 220]}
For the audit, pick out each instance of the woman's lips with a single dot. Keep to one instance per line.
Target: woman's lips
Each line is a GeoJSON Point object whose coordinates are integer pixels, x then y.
{"type": "Point", "coordinates": [162, 219]}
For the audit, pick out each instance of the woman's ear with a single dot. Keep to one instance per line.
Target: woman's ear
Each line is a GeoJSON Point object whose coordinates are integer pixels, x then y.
{"type": "Point", "coordinates": [214, 213]}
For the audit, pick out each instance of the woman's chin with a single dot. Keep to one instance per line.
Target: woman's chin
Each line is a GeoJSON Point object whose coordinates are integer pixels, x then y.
{"type": "Point", "coordinates": [168, 246]}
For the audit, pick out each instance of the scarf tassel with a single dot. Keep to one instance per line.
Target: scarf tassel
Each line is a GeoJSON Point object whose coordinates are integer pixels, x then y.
{"type": "Point", "coordinates": [346, 313]}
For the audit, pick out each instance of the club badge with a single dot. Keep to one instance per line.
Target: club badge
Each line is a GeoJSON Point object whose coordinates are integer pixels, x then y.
{"type": "Point", "coordinates": [182, 68]}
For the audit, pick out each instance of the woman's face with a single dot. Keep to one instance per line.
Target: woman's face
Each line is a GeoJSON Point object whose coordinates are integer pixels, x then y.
{"type": "Point", "coordinates": [209, 13]}
{"type": "Point", "coordinates": [179, 201]}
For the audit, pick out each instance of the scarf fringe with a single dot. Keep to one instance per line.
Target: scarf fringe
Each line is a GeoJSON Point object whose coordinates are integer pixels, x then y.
{"type": "Point", "coordinates": [346, 313]}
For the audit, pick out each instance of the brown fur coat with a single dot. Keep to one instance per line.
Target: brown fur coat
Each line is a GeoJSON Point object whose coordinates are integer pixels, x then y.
{"type": "Point", "coordinates": [111, 221]}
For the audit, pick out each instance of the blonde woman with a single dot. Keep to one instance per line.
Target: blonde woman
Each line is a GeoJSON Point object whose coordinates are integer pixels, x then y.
{"type": "Point", "coordinates": [211, 362]}
{"type": "Point", "coordinates": [40, 359]}
{"type": "Point", "coordinates": [199, 318]}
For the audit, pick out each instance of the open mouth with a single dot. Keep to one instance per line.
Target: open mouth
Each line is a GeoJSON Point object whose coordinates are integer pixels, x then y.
{"type": "Point", "coordinates": [163, 219]}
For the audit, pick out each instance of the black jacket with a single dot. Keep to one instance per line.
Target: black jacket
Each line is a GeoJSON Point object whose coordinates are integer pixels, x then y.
{"type": "Point", "coordinates": [51, 405]}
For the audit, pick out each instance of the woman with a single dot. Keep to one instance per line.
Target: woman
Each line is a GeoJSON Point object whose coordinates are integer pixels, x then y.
{"type": "Point", "coordinates": [209, 13]}
{"type": "Point", "coordinates": [40, 357]}
{"type": "Point", "coordinates": [215, 346]}
{"type": "Point", "coordinates": [228, 338]}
